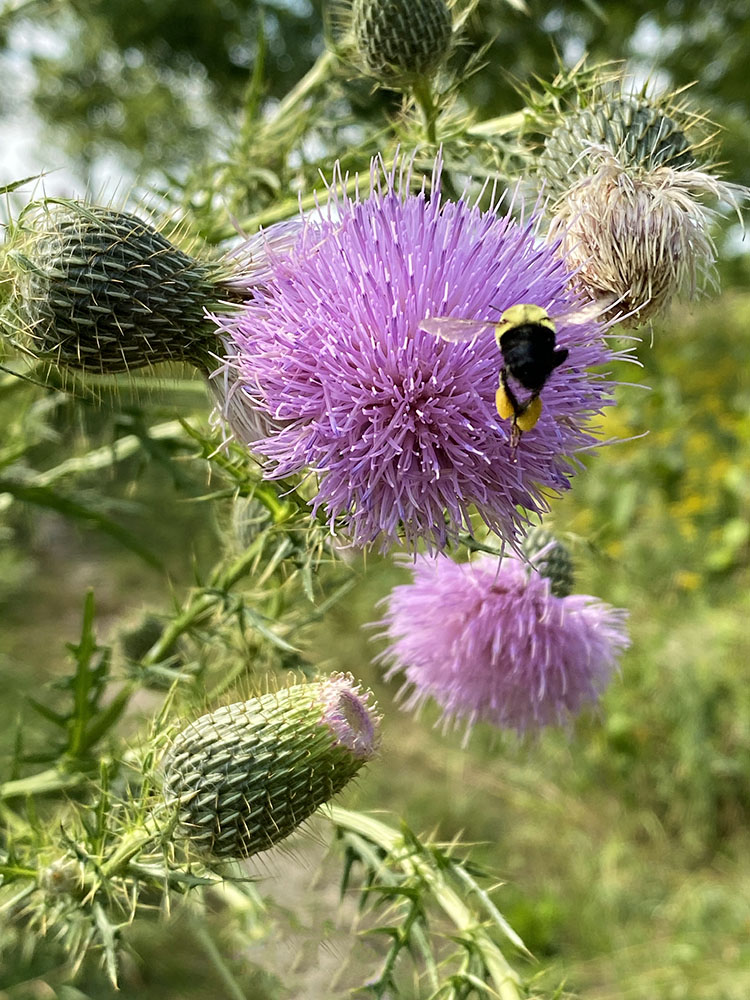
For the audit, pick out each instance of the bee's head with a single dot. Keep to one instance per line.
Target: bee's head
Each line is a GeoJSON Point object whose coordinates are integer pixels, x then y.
{"type": "Point", "coordinates": [524, 314]}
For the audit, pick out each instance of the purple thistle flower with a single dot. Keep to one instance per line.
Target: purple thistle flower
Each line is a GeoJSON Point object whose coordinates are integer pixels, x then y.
{"type": "Point", "coordinates": [234, 415]}
{"type": "Point", "coordinates": [490, 642]}
{"type": "Point", "coordinates": [401, 426]}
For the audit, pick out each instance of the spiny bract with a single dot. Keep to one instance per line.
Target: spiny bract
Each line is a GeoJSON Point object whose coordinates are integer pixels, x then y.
{"type": "Point", "coordinates": [550, 558]}
{"type": "Point", "coordinates": [627, 203]}
{"type": "Point", "coordinates": [637, 133]}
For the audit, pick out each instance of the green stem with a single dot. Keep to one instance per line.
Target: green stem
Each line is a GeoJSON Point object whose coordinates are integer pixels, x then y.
{"type": "Point", "coordinates": [502, 125]}
{"type": "Point", "coordinates": [280, 211]}
{"type": "Point", "coordinates": [103, 458]}
{"type": "Point", "coordinates": [152, 830]}
{"type": "Point", "coordinates": [233, 988]}
{"type": "Point", "coordinates": [202, 604]}
{"type": "Point", "coordinates": [423, 96]}
{"type": "Point", "coordinates": [504, 978]}
{"type": "Point", "coordinates": [52, 780]}
{"type": "Point", "coordinates": [15, 871]}
{"type": "Point", "coordinates": [315, 76]}
{"type": "Point", "coordinates": [475, 545]}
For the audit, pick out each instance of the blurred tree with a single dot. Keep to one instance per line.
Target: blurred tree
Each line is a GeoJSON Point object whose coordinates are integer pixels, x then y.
{"type": "Point", "coordinates": [162, 79]}
{"type": "Point", "coordinates": [159, 78]}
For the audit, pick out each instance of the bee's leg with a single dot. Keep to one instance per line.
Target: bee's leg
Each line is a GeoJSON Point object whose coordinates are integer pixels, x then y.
{"type": "Point", "coordinates": [509, 408]}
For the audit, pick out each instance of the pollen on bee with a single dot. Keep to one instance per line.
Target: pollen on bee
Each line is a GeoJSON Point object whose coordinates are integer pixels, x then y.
{"type": "Point", "coordinates": [503, 403]}
{"type": "Point", "coordinates": [526, 420]}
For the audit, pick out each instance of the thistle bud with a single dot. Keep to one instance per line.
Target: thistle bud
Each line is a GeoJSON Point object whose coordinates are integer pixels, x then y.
{"type": "Point", "coordinates": [642, 137]}
{"type": "Point", "coordinates": [245, 776]}
{"type": "Point", "coordinates": [102, 291]}
{"type": "Point", "coordinates": [551, 559]}
{"type": "Point", "coordinates": [627, 211]}
{"type": "Point", "coordinates": [400, 41]}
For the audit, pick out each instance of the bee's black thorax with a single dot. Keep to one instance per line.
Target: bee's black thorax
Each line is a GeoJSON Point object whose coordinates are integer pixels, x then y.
{"type": "Point", "coordinates": [529, 354]}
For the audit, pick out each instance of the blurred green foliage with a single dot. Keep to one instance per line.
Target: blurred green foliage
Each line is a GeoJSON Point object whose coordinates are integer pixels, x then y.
{"type": "Point", "coordinates": [161, 81]}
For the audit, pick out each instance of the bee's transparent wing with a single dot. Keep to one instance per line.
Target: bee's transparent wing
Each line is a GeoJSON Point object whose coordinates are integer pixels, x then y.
{"type": "Point", "coordinates": [585, 313]}
{"type": "Point", "coordinates": [455, 330]}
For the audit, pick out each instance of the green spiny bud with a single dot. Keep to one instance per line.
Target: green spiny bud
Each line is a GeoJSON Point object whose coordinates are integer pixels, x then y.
{"type": "Point", "coordinates": [400, 41]}
{"type": "Point", "coordinates": [640, 135]}
{"type": "Point", "coordinates": [551, 559]}
{"type": "Point", "coordinates": [102, 291]}
{"type": "Point", "coordinates": [245, 776]}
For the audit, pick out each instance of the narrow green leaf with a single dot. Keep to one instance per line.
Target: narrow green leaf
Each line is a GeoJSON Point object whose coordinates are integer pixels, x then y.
{"type": "Point", "coordinates": [107, 718]}
{"type": "Point", "coordinates": [10, 455]}
{"type": "Point", "coordinates": [108, 938]}
{"type": "Point", "coordinates": [14, 185]}
{"type": "Point", "coordinates": [260, 625]}
{"type": "Point", "coordinates": [53, 780]}
{"type": "Point", "coordinates": [103, 458]}
{"type": "Point", "coordinates": [83, 678]}
{"type": "Point", "coordinates": [77, 511]}
{"type": "Point", "coordinates": [597, 10]}
{"type": "Point", "coordinates": [47, 713]}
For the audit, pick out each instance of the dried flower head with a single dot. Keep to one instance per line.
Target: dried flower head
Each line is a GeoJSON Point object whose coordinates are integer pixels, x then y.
{"type": "Point", "coordinates": [490, 642]}
{"type": "Point", "coordinates": [628, 212]}
{"type": "Point", "coordinates": [400, 425]}
{"type": "Point", "coordinates": [246, 776]}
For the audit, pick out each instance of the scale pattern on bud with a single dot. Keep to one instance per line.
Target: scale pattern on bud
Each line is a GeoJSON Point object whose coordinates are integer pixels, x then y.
{"type": "Point", "coordinates": [551, 559]}
{"type": "Point", "coordinates": [639, 135]}
{"type": "Point", "coordinates": [245, 776]}
{"type": "Point", "coordinates": [402, 40]}
{"type": "Point", "coordinates": [102, 291]}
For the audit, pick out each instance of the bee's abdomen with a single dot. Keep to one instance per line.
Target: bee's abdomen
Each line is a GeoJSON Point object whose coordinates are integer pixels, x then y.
{"type": "Point", "coordinates": [529, 354]}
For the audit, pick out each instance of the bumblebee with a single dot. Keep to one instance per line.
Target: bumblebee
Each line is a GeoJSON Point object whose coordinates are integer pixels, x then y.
{"type": "Point", "coordinates": [525, 335]}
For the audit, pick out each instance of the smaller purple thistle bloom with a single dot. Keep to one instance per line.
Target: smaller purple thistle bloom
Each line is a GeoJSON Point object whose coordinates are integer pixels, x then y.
{"type": "Point", "coordinates": [490, 643]}
{"type": "Point", "coordinates": [347, 713]}
{"type": "Point", "coordinates": [401, 426]}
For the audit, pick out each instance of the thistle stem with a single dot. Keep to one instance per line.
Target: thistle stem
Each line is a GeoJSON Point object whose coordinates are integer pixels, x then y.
{"type": "Point", "coordinates": [205, 940]}
{"type": "Point", "coordinates": [502, 125]}
{"type": "Point", "coordinates": [279, 211]}
{"type": "Point", "coordinates": [423, 96]}
{"type": "Point", "coordinates": [315, 76]}
{"type": "Point", "coordinates": [134, 842]}
{"type": "Point", "coordinates": [504, 978]}
{"type": "Point", "coordinates": [51, 780]}
{"type": "Point", "coordinates": [202, 604]}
